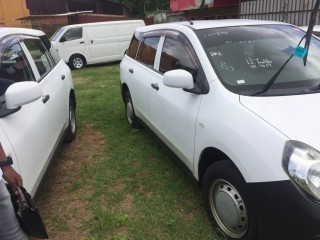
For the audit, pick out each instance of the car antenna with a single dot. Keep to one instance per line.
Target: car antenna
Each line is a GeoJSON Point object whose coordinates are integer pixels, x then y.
{"type": "Point", "coordinates": [191, 23]}
{"type": "Point", "coordinates": [310, 28]}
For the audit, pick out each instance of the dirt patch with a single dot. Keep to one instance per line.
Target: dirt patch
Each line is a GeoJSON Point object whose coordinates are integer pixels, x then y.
{"type": "Point", "coordinates": [63, 198]}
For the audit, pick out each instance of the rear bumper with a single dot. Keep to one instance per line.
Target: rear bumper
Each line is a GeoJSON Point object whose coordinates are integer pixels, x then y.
{"type": "Point", "coordinates": [284, 212]}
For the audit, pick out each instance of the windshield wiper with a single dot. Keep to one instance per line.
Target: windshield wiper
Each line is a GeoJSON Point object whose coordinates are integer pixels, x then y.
{"type": "Point", "coordinates": [307, 36]}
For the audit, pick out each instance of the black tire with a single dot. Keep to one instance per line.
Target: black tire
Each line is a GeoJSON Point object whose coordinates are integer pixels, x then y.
{"type": "Point", "coordinates": [129, 111]}
{"type": "Point", "coordinates": [227, 201]}
{"type": "Point", "coordinates": [72, 127]}
{"type": "Point", "coordinates": [77, 62]}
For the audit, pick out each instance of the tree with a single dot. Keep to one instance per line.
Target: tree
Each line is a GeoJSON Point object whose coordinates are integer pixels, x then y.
{"type": "Point", "coordinates": [139, 8]}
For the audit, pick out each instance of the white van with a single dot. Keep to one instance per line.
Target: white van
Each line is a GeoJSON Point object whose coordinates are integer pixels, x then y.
{"type": "Point", "coordinates": [91, 43]}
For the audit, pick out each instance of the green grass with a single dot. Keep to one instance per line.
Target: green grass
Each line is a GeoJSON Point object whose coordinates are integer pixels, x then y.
{"type": "Point", "coordinates": [140, 190]}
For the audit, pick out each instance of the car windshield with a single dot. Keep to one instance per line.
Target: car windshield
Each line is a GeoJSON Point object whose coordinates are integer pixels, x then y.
{"type": "Point", "coordinates": [245, 58]}
{"type": "Point", "coordinates": [56, 34]}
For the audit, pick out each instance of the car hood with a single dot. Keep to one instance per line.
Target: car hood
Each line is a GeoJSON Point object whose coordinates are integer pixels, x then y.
{"type": "Point", "coordinates": [296, 116]}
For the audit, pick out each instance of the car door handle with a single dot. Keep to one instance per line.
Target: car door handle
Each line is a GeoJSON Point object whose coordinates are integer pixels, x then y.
{"type": "Point", "coordinates": [131, 70]}
{"type": "Point", "coordinates": [45, 98]}
{"type": "Point", "coordinates": [155, 86]}
{"type": "Point", "coordinates": [81, 42]}
{"type": "Point", "coordinates": [63, 77]}
{"type": "Point", "coordinates": [91, 41]}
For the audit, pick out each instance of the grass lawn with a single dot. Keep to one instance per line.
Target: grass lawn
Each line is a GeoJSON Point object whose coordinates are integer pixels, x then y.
{"type": "Point", "coordinates": [135, 188]}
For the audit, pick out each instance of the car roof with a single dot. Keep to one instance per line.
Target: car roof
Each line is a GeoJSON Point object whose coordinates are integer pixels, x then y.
{"type": "Point", "coordinates": [204, 24]}
{"type": "Point", "coordinates": [5, 31]}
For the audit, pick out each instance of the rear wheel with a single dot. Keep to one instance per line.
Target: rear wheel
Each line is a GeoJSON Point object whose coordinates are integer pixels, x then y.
{"type": "Point", "coordinates": [71, 130]}
{"type": "Point", "coordinates": [226, 201]}
{"type": "Point", "coordinates": [77, 62]}
{"type": "Point", "coordinates": [130, 114]}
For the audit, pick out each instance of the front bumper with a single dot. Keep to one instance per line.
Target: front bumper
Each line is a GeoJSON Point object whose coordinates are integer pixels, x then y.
{"type": "Point", "coordinates": [284, 212]}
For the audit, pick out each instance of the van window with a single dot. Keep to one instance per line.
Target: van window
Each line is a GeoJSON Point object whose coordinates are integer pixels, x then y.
{"type": "Point", "coordinates": [73, 34]}
{"type": "Point", "coordinates": [147, 51]}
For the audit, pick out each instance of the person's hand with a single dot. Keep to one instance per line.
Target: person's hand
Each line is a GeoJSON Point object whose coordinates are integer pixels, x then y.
{"type": "Point", "coordinates": [13, 178]}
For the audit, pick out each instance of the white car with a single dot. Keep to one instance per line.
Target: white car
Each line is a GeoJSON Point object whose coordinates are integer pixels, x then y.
{"type": "Point", "coordinates": [246, 124]}
{"type": "Point", "coordinates": [37, 102]}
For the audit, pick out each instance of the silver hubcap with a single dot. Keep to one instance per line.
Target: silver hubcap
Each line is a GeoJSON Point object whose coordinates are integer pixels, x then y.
{"type": "Point", "coordinates": [72, 118]}
{"type": "Point", "coordinates": [77, 62]}
{"type": "Point", "coordinates": [129, 111]}
{"type": "Point", "coordinates": [228, 208]}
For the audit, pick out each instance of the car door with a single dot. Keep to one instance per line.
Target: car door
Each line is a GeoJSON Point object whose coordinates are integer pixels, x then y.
{"type": "Point", "coordinates": [33, 130]}
{"type": "Point", "coordinates": [143, 73]}
{"type": "Point", "coordinates": [173, 111]}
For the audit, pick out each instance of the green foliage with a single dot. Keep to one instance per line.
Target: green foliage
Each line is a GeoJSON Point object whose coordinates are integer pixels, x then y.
{"type": "Point", "coordinates": [139, 8]}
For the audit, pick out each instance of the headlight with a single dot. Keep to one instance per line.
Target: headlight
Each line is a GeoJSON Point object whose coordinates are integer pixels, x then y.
{"type": "Point", "coordinates": [302, 164]}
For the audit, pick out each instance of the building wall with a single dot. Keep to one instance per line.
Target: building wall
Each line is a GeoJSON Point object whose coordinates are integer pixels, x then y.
{"type": "Point", "coordinates": [296, 12]}
{"type": "Point", "coordinates": [203, 10]}
{"type": "Point", "coordinates": [11, 10]}
{"type": "Point", "coordinates": [181, 5]}
{"type": "Point", "coordinates": [42, 7]}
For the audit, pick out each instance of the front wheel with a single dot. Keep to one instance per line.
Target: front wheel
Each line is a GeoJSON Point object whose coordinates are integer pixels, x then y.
{"type": "Point", "coordinates": [71, 130]}
{"type": "Point", "coordinates": [227, 202]}
{"type": "Point", "coordinates": [77, 62]}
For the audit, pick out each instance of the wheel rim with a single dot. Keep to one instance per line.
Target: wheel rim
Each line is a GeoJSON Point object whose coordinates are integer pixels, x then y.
{"type": "Point", "coordinates": [129, 111]}
{"type": "Point", "coordinates": [77, 62]}
{"type": "Point", "coordinates": [72, 119]}
{"type": "Point", "coordinates": [228, 208]}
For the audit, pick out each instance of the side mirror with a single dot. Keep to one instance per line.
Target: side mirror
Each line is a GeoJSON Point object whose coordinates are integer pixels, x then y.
{"type": "Point", "coordinates": [63, 39]}
{"type": "Point", "coordinates": [22, 93]}
{"type": "Point", "coordinates": [178, 79]}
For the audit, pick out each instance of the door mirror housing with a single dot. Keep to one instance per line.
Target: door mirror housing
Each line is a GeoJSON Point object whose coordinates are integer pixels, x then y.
{"type": "Point", "coordinates": [22, 93]}
{"type": "Point", "coordinates": [178, 79]}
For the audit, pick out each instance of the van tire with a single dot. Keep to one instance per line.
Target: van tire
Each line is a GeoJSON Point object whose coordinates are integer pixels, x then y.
{"type": "Point", "coordinates": [77, 61]}
{"type": "Point", "coordinates": [227, 201]}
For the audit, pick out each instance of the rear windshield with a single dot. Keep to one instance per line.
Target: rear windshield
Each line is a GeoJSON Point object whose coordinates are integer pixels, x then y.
{"type": "Point", "coordinates": [245, 58]}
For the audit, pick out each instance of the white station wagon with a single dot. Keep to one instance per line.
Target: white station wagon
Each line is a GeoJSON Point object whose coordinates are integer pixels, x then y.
{"type": "Point", "coordinates": [37, 102]}
{"type": "Point", "coordinates": [219, 94]}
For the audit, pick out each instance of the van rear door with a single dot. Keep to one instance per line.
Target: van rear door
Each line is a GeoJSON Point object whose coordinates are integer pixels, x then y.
{"type": "Point", "coordinates": [103, 43]}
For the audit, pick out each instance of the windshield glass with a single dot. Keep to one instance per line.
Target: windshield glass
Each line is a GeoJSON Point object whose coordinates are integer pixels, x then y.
{"type": "Point", "coordinates": [245, 58]}
{"type": "Point", "coordinates": [56, 34]}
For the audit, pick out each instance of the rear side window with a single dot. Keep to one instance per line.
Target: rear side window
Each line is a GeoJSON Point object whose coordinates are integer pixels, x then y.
{"type": "Point", "coordinates": [147, 51]}
{"type": "Point", "coordinates": [133, 47]}
{"type": "Point", "coordinates": [132, 51]}
{"type": "Point", "coordinates": [73, 34]}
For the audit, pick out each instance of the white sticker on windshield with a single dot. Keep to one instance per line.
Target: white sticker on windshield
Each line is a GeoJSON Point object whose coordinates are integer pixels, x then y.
{"type": "Point", "coordinates": [241, 81]}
